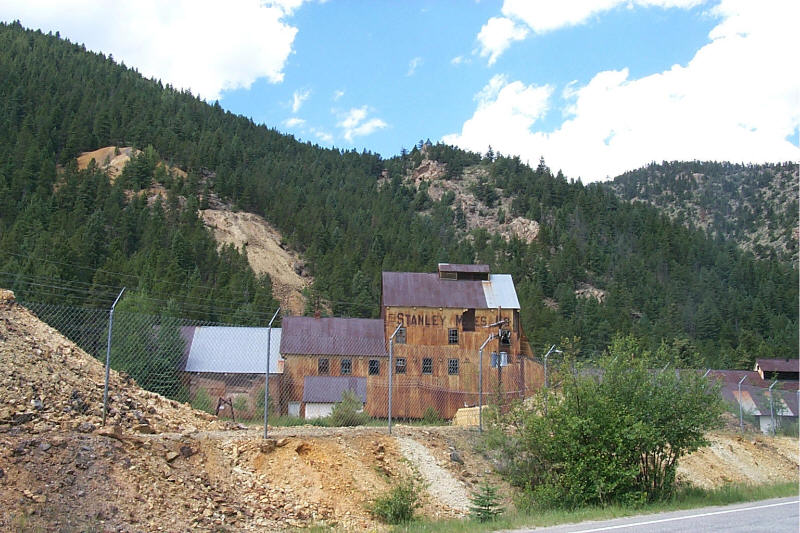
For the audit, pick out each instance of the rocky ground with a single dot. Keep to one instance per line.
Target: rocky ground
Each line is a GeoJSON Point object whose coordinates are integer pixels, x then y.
{"type": "Point", "coordinates": [158, 465]}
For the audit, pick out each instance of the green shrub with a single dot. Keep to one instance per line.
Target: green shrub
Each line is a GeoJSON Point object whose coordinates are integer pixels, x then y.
{"type": "Point", "coordinates": [202, 401]}
{"type": "Point", "coordinates": [610, 436]}
{"type": "Point", "coordinates": [348, 412]}
{"type": "Point", "coordinates": [398, 504]}
{"type": "Point", "coordinates": [485, 504]}
{"type": "Point", "coordinates": [431, 416]}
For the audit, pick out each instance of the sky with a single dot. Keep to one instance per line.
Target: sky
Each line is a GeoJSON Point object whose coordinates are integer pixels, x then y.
{"type": "Point", "coordinates": [596, 87]}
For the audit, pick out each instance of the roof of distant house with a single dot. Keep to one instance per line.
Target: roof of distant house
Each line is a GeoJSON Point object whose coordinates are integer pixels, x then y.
{"type": "Point", "coordinates": [332, 336]}
{"type": "Point", "coordinates": [232, 350]}
{"type": "Point", "coordinates": [778, 365]}
{"type": "Point", "coordinates": [414, 289]}
{"type": "Point", "coordinates": [329, 389]}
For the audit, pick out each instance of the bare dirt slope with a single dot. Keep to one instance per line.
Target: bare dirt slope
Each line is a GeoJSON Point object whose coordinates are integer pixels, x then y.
{"type": "Point", "coordinates": [749, 458]}
{"type": "Point", "coordinates": [160, 465]}
{"type": "Point", "coordinates": [265, 254]}
{"type": "Point", "coordinates": [112, 159]}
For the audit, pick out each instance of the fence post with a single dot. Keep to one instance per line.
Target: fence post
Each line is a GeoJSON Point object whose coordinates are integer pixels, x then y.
{"type": "Point", "coordinates": [108, 354]}
{"type": "Point", "coordinates": [772, 408]}
{"type": "Point", "coordinates": [391, 371]}
{"type": "Point", "coordinates": [741, 420]}
{"type": "Point", "coordinates": [266, 376]}
{"type": "Point", "coordinates": [480, 381]}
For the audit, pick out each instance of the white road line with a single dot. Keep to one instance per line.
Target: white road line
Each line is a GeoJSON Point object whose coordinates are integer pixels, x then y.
{"type": "Point", "coordinates": [621, 526]}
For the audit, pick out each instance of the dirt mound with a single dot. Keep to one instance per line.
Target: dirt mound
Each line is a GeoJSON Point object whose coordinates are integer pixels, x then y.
{"type": "Point", "coordinates": [264, 253]}
{"type": "Point", "coordinates": [754, 459]}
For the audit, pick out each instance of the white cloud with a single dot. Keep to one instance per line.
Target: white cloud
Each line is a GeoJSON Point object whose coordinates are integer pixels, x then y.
{"type": "Point", "coordinates": [738, 99]}
{"type": "Point", "coordinates": [497, 35]}
{"type": "Point", "coordinates": [298, 98]}
{"type": "Point", "coordinates": [205, 46]}
{"type": "Point", "coordinates": [542, 17]}
{"type": "Point", "coordinates": [519, 15]}
{"type": "Point", "coordinates": [412, 65]}
{"type": "Point", "coordinates": [294, 122]}
{"type": "Point", "coordinates": [354, 123]}
{"type": "Point", "coordinates": [337, 95]}
{"type": "Point", "coordinates": [322, 136]}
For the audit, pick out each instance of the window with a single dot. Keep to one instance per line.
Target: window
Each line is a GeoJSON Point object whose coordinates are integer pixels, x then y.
{"type": "Point", "coordinates": [374, 367]}
{"type": "Point", "coordinates": [400, 365]}
{"type": "Point", "coordinates": [452, 336]}
{"type": "Point", "coordinates": [505, 337]}
{"type": "Point", "coordinates": [322, 366]}
{"type": "Point", "coordinates": [427, 365]}
{"type": "Point", "coordinates": [468, 320]}
{"type": "Point", "coordinates": [400, 336]}
{"type": "Point", "coordinates": [452, 367]}
{"type": "Point", "coordinates": [347, 367]}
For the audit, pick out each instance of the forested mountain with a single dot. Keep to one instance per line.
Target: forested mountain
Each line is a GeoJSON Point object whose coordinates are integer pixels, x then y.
{"type": "Point", "coordinates": [754, 205]}
{"type": "Point", "coordinates": [351, 214]}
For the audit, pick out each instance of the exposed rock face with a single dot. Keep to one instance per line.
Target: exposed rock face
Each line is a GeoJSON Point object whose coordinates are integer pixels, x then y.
{"type": "Point", "coordinates": [265, 253]}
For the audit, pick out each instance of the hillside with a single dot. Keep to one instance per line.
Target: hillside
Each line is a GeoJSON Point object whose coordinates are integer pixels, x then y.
{"type": "Point", "coordinates": [161, 465]}
{"type": "Point", "coordinates": [754, 205]}
{"type": "Point", "coordinates": [76, 236]}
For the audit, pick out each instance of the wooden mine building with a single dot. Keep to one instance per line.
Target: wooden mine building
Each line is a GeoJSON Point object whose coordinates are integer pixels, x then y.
{"type": "Point", "coordinates": [444, 318]}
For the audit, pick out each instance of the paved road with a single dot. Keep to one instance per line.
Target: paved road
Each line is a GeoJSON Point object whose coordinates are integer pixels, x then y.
{"type": "Point", "coordinates": [778, 515]}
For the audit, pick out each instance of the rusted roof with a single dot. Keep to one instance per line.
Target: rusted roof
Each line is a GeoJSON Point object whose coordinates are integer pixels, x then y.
{"type": "Point", "coordinates": [329, 389]}
{"type": "Point", "coordinates": [415, 289]}
{"type": "Point", "coordinates": [778, 365]}
{"type": "Point", "coordinates": [454, 267]}
{"type": "Point", "coordinates": [302, 335]}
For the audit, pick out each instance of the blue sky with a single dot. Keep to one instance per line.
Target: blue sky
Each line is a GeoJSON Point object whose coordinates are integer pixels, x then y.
{"type": "Point", "coordinates": [596, 87]}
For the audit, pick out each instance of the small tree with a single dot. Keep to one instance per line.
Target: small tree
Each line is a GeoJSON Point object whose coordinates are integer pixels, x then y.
{"type": "Point", "coordinates": [398, 504]}
{"type": "Point", "coordinates": [485, 503]}
{"type": "Point", "coordinates": [348, 412]}
{"type": "Point", "coordinates": [614, 434]}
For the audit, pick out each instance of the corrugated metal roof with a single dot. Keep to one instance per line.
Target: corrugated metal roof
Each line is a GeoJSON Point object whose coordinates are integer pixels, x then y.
{"type": "Point", "coordinates": [778, 365]}
{"type": "Point", "coordinates": [755, 400]}
{"type": "Point", "coordinates": [329, 389]}
{"type": "Point", "coordinates": [415, 289]}
{"type": "Point", "coordinates": [472, 269]}
{"type": "Point", "coordinates": [332, 336]}
{"type": "Point", "coordinates": [232, 350]}
{"type": "Point", "coordinates": [500, 292]}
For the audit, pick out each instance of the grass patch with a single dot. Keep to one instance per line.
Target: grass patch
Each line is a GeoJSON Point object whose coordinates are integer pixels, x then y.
{"type": "Point", "coordinates": [685, 498]}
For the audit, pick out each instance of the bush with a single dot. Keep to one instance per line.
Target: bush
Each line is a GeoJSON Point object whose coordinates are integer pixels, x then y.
{"type": "Point", "coordinates": [431, 416]}
{"type": "Point", "coordinates": [203, 401]}
{"type": "Point", "coordinates": [398, 504]}
{"type": "Point", "coordinates": [613, 435]}
{"type": "Point", "coordinates": [348, 412]}
{"type": "Point", "coordinates": [485, 504]}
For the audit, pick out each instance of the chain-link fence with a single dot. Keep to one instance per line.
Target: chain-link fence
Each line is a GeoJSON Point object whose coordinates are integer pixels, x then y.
{"type": "Point", "coordinates": [324, 371]}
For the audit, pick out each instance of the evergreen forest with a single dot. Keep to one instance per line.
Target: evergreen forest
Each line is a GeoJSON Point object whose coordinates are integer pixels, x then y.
{"type": "Point", "coordinates": [75, 236]}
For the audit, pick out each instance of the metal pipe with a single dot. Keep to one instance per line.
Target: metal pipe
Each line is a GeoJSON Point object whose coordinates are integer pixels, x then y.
{"type": "Point", "coordinates": [391, 371]}
{"type": "Point", "coordinates": [551, 350]}
{"type": "Point", "coordinates": [108, 354]}
{"type": "Point", "coordinates": [741, 420]}
{"type": "Point", "coordinates": [480, 381]}
{"type": "Point", "coordinates": [266, 376]}
{"type": "Point", "coordinates": [772, 407]}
